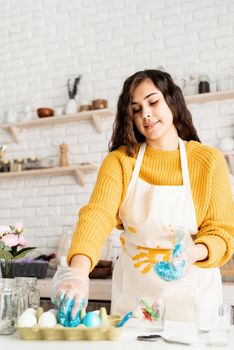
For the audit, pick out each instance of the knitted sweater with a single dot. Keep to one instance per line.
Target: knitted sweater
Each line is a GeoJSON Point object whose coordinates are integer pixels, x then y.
{"type": "Point", "coordinates": [211, 193]}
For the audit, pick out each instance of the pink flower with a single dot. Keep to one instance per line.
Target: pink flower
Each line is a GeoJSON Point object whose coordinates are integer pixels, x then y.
{"type": "Point", "coordinates": [19, 227]}
{"type": "Point", "coordinates": [22, 242]}
{"type": "Point", "coordinates": [4, 230]}
{"type": "Point", "coordinates": [12, 240]}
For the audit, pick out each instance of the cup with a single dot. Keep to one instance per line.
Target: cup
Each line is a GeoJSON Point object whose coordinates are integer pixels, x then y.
{"type": "Point", "coordinates": [206, 316]}
{"type": "Point", "coordinates": [223, 83]}
{"type": "Point", "coordinates": [151, 315]}
{"type": "Point", "coordinates": [219, 335]}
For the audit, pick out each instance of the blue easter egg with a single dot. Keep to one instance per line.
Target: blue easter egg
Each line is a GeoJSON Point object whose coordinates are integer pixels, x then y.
{"type": "Point", "coordinates": [91, 319]}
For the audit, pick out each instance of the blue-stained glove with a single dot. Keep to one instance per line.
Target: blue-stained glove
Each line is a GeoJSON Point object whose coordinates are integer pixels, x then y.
{"type": "Point", "coordinates": [183, 256]}
{"type": "Point", "coordinates": [169, 271]}
{"type": "Point", "coordinates": [69, 292]}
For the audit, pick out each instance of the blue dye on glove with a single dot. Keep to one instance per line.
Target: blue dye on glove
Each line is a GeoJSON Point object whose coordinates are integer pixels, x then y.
{"type": "Point", "coordinates": [177, 250]}
{"type": "Point", "coordinates": [65, 313]}
{"type": "Point", "coordinates": [169, 271]}
{"type": "Point", "coordinates": [76, 321]}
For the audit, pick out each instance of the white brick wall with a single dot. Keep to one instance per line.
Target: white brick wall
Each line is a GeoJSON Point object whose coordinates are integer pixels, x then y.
{"type": "Point", "coordinates": [43, 43]}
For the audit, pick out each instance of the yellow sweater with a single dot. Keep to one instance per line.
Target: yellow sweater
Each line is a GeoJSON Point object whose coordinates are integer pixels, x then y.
{"type": "Point", "coordinates": [211, 192]}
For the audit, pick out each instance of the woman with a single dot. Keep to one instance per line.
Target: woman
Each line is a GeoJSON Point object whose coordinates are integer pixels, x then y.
{"type": "Point", "coordinates": [157, 175]}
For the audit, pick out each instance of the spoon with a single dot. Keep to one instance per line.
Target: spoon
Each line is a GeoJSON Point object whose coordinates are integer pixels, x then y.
{"type": "Point", "coordinates": [154, 337]}
{"type": "Point", "coordinates": [124, 319]}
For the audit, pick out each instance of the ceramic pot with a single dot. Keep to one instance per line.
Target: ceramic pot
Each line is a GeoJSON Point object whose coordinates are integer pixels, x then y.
{"type": "Point", "coordinates": [71, 107]}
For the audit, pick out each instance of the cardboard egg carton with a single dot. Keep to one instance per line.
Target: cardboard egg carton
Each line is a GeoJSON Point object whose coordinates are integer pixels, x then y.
{"type": "Point", "coordinates": [107, 331]}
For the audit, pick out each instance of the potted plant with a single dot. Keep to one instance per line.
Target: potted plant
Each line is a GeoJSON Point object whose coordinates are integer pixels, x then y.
{"type": "Point", "coordinates": [72, 88]}
{"type": "Point", "coordinates": [10, 241]}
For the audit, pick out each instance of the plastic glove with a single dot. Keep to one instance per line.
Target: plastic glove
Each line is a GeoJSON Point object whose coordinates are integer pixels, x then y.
{"type": "Point", "coordinates": [70, 288]}
{"type": "Point", "coordinates": [169, 271]}
{"type": "Point", "coordinates": [183, 256]}
{"type": "Point", "coordinates": [184, 249]}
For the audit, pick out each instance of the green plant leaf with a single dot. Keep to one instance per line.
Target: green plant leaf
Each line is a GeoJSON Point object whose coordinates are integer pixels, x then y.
{"type": "Point", "coordinates": [6, 248]}
{"type": "Point", "coordinates": [5, 255]}
{"type": "Point", "coordinates": [21, 253]}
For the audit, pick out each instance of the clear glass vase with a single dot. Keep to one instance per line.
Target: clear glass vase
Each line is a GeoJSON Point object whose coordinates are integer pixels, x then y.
{"type": "Point", "coordinates": [6, 268]}
{"type": "Point", "coordinates": [8, 305]}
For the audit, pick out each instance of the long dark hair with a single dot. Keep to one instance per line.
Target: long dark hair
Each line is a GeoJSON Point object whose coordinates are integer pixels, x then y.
{"type": "Point", "coordinates": [124, 129]}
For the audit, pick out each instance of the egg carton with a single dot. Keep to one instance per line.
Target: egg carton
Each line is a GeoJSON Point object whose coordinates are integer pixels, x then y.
{"type": "Point", "coordinates": [59, 332]}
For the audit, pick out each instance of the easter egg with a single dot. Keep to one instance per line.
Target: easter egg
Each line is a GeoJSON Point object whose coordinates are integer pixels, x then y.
{"type": "Point", "coordinates": [91, 319]}
{"type": "Point", "coordinates": [31, 310]}
{"type": "Point", "coordinates": [47, 319]}
{"type": "Point", "coordinates": [27, 319]}
{"type": "Point", "coordinates": [54, 311]}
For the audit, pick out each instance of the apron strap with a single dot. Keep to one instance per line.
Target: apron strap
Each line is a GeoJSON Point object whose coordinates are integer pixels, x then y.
{"type": "Point", "coordinates": [138, 162]}
{"type": "Point", "coordinates": [183, 161]}
{"type": "Point", "coordinates": [184, 165]}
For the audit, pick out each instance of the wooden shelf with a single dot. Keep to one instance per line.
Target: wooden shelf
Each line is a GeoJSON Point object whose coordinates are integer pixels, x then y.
{"type": "Point", "coordinates": [95, 116]}
{"type": "Point", "coordinates": [78, 171]}
{"type": "Point", "coordinates": [210, 96]}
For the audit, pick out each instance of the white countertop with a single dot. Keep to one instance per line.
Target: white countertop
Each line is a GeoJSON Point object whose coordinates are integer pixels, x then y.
{"type": "Point", "coordinates": [127, 340]}
{"type": "Point", "coordinates": [100, 289]}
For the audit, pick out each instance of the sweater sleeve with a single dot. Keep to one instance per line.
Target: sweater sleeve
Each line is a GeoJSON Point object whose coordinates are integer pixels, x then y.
{"type": "Point", "coordinates": [98, 218]}
{"type": "Point", "coordinates": [217, 229]}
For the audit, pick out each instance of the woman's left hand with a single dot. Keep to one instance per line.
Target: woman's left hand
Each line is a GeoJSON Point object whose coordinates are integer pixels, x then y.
{"type": "Point", "coordinates": [185, 254]}
{"type": "Point", "coordinates": [189, 251]}
{"type": "Point", "coordinates": [201, 252]}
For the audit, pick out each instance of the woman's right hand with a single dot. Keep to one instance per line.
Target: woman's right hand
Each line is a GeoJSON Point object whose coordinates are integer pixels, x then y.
{"type": "Point", "coordinates": [70, 289]}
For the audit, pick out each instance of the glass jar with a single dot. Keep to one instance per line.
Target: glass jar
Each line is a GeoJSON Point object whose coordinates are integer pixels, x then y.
{"type": "Point", "coordinates": [8, 305]}
{"type": "Point", "coordinates": [33, 163]}
{"type": "Point", "coordinates": [20, 162]}
{"type": "Point", "coordinates": [5, 166]}
{"type": "Point", "coordinates": [204, 85]}
{"type": "Point", "coordinates": [34, 293]}
{"type": "Point", "coordinates": [29, 294]}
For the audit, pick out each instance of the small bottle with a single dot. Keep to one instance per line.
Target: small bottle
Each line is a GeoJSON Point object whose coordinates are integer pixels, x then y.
{"type": "Point", "coordinates": [203, 85]}
{"type": "Point", "coordinates": [63, 161]}
{"type": "Point", "coordinates": [19, 164]}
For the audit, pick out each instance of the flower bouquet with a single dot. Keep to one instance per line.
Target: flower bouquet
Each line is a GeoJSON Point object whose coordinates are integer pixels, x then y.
{"type": "Point", "coordinates": [10, 242]}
